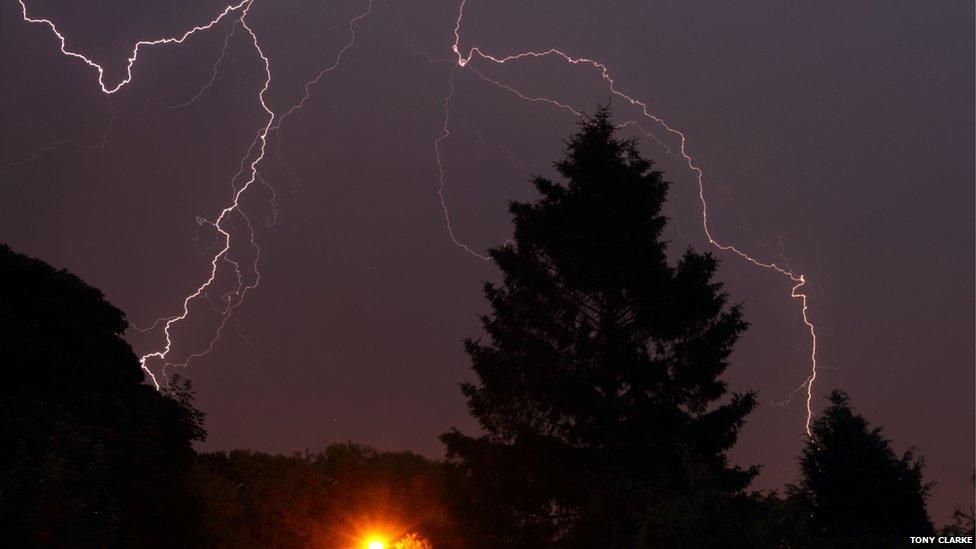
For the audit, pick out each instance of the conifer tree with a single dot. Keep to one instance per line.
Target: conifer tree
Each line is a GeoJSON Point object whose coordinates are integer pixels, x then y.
{"type": "Point", "coordinates": [607, 423]}
{"type": "Point", "coordinates": [859, 493]}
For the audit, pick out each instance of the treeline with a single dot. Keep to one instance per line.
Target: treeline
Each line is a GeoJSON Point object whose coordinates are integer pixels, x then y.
{"type": "Point", "coordinates": [854, 491]}
{"type": "Point", "coordinates": [605, 420]}
{"type": "Point", "coordinates": [336, 498]}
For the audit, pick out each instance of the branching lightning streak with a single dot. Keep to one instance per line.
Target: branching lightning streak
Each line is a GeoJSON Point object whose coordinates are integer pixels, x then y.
{"type": "Point", "coordinates": [218, 224]}
{"type": "Point", "coordinates": [537, 99]}
{"type": "Point", "coordinates": [73, 142]}
{"type": "Point", "coordinates": [244, 5]}
{"type": "Point", "coordinates": [499, 148]}
{"type": "Point", "coordinates": [445, 133]}
{"type": "Point", "coordinates": [213, 74]}
{"type": "Point", "coordinates": [798, 280]}
{"type": "Point", "coordinates": [235, 297]}
{"type": "Point", "coordinates": [270, 220]}
{"type": "Point", "coordinates": [273, 124]}
{"type": "Point", "coordinates": [330, 68]}
{"type": "Point", "coordinates": [135, 50]}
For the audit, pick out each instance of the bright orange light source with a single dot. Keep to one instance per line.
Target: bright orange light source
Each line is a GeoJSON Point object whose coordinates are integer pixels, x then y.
{"type": "Point", "coordinates": [375, 544]}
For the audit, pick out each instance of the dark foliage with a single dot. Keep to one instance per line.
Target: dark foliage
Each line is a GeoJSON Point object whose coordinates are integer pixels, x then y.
{"type": "Point", "coordinates": [90, 455]}
{"type": "Point", "coordinates": [330, 499]}
{"type": "Point", "coordinates": [600, 392]}
{"type": "Point", "coordinates": [963, 520]}
{"type": "Point", "coordinates": [962, 523]}
{"type": "Point", "coordinates": [856, 490]}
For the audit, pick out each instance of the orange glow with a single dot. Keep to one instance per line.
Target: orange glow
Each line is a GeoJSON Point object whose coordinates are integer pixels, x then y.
{"type": "Point", "coordinates": [375, 543]}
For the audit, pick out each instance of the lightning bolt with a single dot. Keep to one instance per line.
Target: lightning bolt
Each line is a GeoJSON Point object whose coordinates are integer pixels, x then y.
{"type": "Point", "coordinates": [249, 166]}
{"type": "Point", "coordinates": [109, 90]}
{"type": "Point", "coordinates": [213, 74]}
{"type": "Point", "coordinates": [498, 148]}
{"type": "Point", "coordinates": [255, 155]}
{"type": "Point", "coordinates": [70, 141]}
{"type": "Point", "coordinates": [236, 297]}
{"type": "Point", "coordinates": [218, 224]}
{"type": "Point", "coordinates": [799, 284]}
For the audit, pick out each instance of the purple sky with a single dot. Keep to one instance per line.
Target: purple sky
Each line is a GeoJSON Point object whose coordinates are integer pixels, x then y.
{"type": "Point", "coordinates": [840, 134]}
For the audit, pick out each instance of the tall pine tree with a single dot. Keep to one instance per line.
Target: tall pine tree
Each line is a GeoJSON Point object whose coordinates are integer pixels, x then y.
{"type": "Point", "coordinates": [607, 423]}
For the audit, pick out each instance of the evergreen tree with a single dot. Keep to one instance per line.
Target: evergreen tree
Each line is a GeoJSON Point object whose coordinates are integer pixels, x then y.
{"type": "Point", "coordinates": [857, 491]}
{"type": "Point", "coordinates": [607, 423]}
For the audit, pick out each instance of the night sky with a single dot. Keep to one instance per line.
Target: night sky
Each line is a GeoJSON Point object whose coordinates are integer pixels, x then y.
{"type": "Point", "coordinates": [838, 134]}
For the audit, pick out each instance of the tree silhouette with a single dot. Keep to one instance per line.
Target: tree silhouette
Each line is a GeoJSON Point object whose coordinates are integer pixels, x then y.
{"type": "Point", "coordinates": [90, 455]}
{"type": "Point", "coordinates": [857, 491]}
{"type": "Point", "coordinates": [963, 521]}
{"type": "Point", "coordinates": [600, 392]}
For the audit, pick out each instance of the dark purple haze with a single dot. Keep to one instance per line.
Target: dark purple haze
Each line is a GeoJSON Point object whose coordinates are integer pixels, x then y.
{"type": "Point", "coordinates": [841, 131]}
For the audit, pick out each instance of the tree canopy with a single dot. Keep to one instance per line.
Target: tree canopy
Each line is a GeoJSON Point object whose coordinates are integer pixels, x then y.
{"type": "Point", "coordinates": [90, 454]}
